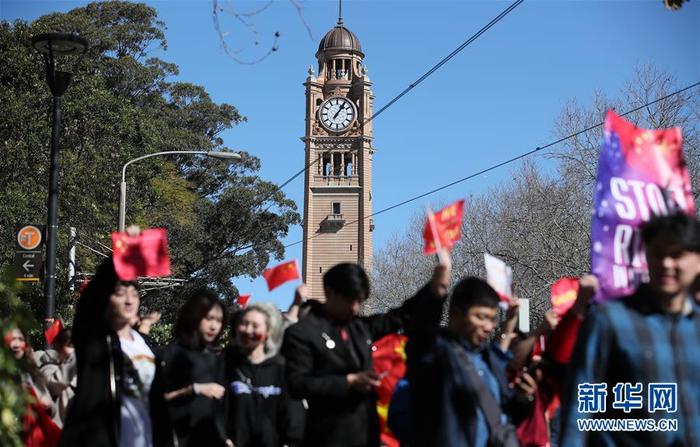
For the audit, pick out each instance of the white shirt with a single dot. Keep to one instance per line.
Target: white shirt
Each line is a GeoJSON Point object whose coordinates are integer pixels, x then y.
{"type": "Point", "coordinates": [135, 416]}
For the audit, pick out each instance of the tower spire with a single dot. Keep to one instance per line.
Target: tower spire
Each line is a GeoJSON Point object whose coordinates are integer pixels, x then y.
{"type": "Point", "coordinates": [340, 12]}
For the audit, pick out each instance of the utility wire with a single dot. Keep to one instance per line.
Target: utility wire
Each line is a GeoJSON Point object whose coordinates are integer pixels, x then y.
{"type": "Point", "coordinates": [447, 58]}
{"type": "Point", "coordinates": [503, 163]}
{"type": "Point", "coordinates": [91, 249]}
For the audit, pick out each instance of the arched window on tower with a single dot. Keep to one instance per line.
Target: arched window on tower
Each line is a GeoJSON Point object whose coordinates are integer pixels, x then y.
{"type": "Point", "coordinates": [337, 168]}
{"type": "Point", "coordinates": [348, 165]}
{"type": "Point", "coordinates": [326, 165]}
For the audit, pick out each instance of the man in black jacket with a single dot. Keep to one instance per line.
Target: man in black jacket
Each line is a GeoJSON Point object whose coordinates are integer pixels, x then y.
{"type": "Point", "coordinates": [329, 361]}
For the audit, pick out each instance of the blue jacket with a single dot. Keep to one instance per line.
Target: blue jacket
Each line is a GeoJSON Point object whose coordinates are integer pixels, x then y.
{"type": "Point", "coordinates": [443, 399]}
{"type": "Point", "coordinates": [630, 340]}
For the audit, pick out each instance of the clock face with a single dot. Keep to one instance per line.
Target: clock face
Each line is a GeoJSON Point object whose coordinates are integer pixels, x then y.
{"type": "Point", "coordinates": [337, 113]}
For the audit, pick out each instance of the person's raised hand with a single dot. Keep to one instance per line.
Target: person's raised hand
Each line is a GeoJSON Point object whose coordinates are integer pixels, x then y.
{"type": "Point", "coordinates": [133, 230]}
{"type": "Point", "coordinates": [442, 275]}
{"type": "Point", "coordinates": [513, 308]}
{"type": "Point", "coordinates": [301, 295]}
{"type": "Point", "coordinates": [551, 319]}
{"type": "Point", "coordinates": [587, 288]}
{"type": "Point", "coordinates": [147, 321]}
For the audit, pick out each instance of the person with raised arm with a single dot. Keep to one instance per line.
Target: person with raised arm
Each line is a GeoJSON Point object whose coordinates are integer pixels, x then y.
{"type": "Point", "coordinates": [119, 394]}
{"type": "Point", "coordinates": [328, 355]}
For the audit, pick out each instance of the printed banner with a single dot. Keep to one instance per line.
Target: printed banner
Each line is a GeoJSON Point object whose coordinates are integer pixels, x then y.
{"type": "Point", "coordinates": [641, 174]}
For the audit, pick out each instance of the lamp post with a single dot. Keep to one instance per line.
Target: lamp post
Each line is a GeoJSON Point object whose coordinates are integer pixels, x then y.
{"type": "Point", "coordinates": [51, 45]}
{"type": "Point", "coordinates": [122, 196]}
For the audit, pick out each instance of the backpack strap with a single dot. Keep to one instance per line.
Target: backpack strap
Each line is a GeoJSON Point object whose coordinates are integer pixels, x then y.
{"type": "Point", "coordinates": [487, 402]}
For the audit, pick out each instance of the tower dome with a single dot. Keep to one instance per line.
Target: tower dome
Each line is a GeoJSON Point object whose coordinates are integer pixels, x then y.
{"type": "Point", "coordinates": [340, 38]}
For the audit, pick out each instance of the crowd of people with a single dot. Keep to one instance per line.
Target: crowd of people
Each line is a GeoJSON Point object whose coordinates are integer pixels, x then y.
{"type": "Point", "coordinates": [305, 377]}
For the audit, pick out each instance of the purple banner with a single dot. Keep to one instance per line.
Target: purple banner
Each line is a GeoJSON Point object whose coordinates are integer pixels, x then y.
{"type": "Point", "coordinates": [641, 174]}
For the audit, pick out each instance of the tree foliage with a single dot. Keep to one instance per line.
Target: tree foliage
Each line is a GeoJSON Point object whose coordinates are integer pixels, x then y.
{"type": "Point", "coordinates": [539, 223]}
{"type": "Point", "coordinates": [223, 219]}
{"type": "Point", "coordinates": [13, 396]}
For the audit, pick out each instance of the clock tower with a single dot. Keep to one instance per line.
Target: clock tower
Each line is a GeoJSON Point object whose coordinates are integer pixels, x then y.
{"type": "Point", "coordinates": [338, 179]}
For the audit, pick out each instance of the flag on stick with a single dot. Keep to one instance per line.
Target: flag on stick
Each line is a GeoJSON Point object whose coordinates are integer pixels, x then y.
{"type": "Point", "coordinates": [499, 276]}
{"type": "Point", "coordinates": [563, 294]}
{"type": "Point", "coordinates": [142, 255]}
{"type": "Point", "coordinates": [276, 276]}
{"type": "Point", "coordinates": [444, 228]}
{"type": "Point", "coordinates": [52, 331]}
{"type": "Point", "coordinates": [242, 300]}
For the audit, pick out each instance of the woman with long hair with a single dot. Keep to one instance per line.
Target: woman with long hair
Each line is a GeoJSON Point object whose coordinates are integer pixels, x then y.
{"type": "Point", "coordinates": [260, 412]}
{"type": "Point", "coordinates": [16, 340]}
{"type": "Point", "coordinates": [195, 372]}
{"type": "Point", "coordinates": [119, 395]}
{"type": "Point", "coordinates": [38, 428]}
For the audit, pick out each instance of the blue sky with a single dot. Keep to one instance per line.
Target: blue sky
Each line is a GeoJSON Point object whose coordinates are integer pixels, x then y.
{"type": "Point", "coordinates": [496, 99]}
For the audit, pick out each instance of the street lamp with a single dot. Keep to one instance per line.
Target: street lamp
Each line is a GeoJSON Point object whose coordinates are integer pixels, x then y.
{"type": "Point", "coordinates": [122, 196]}
{"type": "Point", "coordinates": [51, 45]}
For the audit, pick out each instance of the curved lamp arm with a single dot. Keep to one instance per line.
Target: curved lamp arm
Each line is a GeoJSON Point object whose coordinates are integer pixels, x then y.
{"type": "Point", "coordinates": [122, 196]}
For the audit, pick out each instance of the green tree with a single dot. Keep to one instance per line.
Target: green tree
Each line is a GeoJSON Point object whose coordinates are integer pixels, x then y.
{"type": "Point", "coordinates": [13, 396]}
{"type": "Point", "coordinates": [223, 219]}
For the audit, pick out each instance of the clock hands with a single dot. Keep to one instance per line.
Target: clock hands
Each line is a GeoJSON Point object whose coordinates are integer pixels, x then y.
{"type": "Point", "coordinates": [337, 113]}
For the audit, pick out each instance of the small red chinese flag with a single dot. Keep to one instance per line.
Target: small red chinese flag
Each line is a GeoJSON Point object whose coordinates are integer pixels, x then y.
{"type": "Point", "coordinates": [447, 225]}
{"type": "Point", "coordinates": [563, 294]}
{"type": "Point", "coordinates": [242, 300]}
{"type": "Point", "coordinates": [276, 276]}
{"type": "Point", "coordinates": [52, 331]}
{"type": "Point", "coordinates": [142, 255]}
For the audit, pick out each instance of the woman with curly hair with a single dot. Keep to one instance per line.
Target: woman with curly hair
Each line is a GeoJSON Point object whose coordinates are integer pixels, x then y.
{"type": "Point", "coordinates": [260, 412]}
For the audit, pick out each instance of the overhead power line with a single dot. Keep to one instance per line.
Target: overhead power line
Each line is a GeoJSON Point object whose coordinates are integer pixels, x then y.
{"type": "Point", "coordinates": [446, 59]}
{"type": "Point", "coordinates": [503, 163]}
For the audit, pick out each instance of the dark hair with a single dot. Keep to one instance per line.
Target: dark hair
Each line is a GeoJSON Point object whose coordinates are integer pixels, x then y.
{"type": "Point", "coordinates": [91, 311]}
{"type": "Point", "coordinates": [28, 361]}
{"type": "Point", "coordinates": [347, 279]}
{"type": "Point", "coordinates": [472, 291]}
{"type": "Point", "coordinates": [680, 228]}
{"type": "Point", "coordinates": [234, 321]}
{"type": "Point", "coordinates": [198, 304]}
{"type": "Point", "coordinates": [63, 339]}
